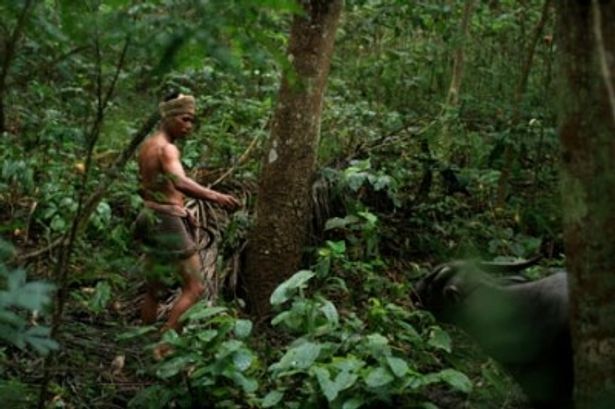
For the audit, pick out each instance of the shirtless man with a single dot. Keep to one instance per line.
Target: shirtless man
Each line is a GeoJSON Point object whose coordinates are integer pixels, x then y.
{"type": "Point", "coordinates": [164, 225]}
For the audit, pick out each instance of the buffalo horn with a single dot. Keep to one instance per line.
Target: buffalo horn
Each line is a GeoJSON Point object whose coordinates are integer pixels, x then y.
{"type": "Point", "coordinates": [507, 267]}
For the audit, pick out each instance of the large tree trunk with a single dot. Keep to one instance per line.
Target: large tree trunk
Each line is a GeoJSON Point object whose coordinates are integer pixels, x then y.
{"type": "Point", "coordinates": [587, 131]}
{"type": "Point", "coordinates": [283, 203]}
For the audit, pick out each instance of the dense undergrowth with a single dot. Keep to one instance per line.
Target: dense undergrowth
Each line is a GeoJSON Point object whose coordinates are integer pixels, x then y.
{"type": "Point", "coordinates": [404, 183]}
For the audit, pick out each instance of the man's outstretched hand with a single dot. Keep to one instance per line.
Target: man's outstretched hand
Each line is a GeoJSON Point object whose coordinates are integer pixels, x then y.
{"type": "Point", "coordinates": [227, 201]}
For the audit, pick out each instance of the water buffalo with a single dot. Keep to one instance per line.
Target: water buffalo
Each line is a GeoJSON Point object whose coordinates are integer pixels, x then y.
{"type": "Point", "coordinates": [522, 325]}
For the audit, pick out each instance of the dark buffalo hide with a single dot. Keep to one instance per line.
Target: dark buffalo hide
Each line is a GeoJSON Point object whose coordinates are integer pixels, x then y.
{"type": "Point", "coordinates": [522, 325]}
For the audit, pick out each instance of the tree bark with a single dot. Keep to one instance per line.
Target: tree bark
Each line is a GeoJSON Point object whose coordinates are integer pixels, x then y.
{"type": "Point", "coordinates": [586, 35]}
{"type": "Point", "coordinates": [283, 205]}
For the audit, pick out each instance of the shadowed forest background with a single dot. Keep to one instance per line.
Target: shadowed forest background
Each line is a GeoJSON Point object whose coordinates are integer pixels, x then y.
{"type": "Point", "coordinates": [436, 140]}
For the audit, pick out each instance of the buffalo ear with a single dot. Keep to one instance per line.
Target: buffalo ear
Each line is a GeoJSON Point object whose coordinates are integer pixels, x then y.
{"type": "Point", "coordinates": [452, 294]}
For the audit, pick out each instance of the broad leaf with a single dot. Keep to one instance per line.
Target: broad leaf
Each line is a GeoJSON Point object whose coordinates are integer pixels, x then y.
{"type": "Point", "coordinates": [378, 377]}
{"type": "Point", "coordinates": [328, 387]}
{"type": "Point", "coordinates": [456, 379]}
{"type": "Point", "coordinates": [242, 359]}
{"type": "Point", "coordinates": [353, 403]}
{"type": "Point", "coordinates": [337, 222]}
{"type": "Point", "coordinates": [272, 399]}
{"type": "Point", "coordinates": [298, 357]}
{"type": "Point", "coordinates": [438, 338]}
{"type": "Point", "coordinates": [173, 366]}
{"type": "Point", "coordinates": [285, 290]}
{"type": "Point", "coordinates": [398, 366]}
{"type": "Point", "coordinates": [243, 328]}
{"type": "Point", "coordinates": [201, 312]}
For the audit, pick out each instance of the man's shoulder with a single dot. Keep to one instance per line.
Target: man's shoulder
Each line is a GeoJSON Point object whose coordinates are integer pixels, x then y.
{"type": "Point", "coordinates": [169, 149]}
{"type": "Point", "coordinates": [158, 142]}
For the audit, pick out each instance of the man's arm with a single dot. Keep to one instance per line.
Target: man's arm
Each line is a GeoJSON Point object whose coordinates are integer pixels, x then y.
{"type": "Point", "coordinates": [171, 166]}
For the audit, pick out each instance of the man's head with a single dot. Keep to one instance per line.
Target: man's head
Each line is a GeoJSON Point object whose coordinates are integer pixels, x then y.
{"type": "Point", "coordinates": [177, 112]}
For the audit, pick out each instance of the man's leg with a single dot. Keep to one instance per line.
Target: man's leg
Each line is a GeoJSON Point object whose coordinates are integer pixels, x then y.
{"type": "Point", "coordinates": [192, 289]}
{"type": "Point", "coordinates": [153, 288]}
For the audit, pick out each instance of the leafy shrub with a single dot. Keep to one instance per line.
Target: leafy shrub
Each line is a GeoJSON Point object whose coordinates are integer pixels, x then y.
{"type": "Point", "coordinates": [340, 361]}
{"type": "Point", "coordinates": [211, 365]}
{"type": "Point", "coordinates": [18, 297]}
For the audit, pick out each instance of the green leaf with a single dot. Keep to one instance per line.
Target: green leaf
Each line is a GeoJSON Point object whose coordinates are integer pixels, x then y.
{"type": "Point", "coordinates": [242, 359]}
{"type": "Point", "coordinates": [172, 367]}
{"type": "Point", "coordinates": [328, 387]}
{"type": "Point", "coordinates": [272, 399]}
{"type": "Point", "coordinates": [170, 337]}
{"type": "Point", "coordinates": [456, 379]}
{"type": "Point", "coordinates": [345, 380]}
{"type": "Point", "coordinates": [330, 312]}
{"type": "Point", "coordinates": [353, 403]}
{"type": "Point", "coordinates": [228, 347]}
{"type": "Point", "coordinates": [38, 338]}
{"type": "Point", "coordinates": [438, 338]}
{"type": "Point", "coordinates": [282, 5]}
{"type": "Point", "coordinates": [34, 296]}
{"type": "Point", "coordinates": [378, 345]}
{"type": "Point", "coordinates": [338, 223]}
{"type": "Point", "coordinates": [378, 377]}
{"type": "Point", "coordinates": [135, 332]}
{"type": "Point", "coordinates": [337, 247]}
{"type": "Point", "coordinates": [348, 364]}
{"type": "Point", "coordinates": [355, 180]}
{"type": "Point", "coordinates": [369, 217]}
{"type": "Point", "coordinates": [298, 357]}
{"type": "Point", "coordinates": [16, 279]}
{"type": "Point", "coordinates": [9, 317]}
{"type": "Point", "coordinates": [381, 182]}
{"type": "Point", "coordinates": [104, 211]}
{"type": "Point", "coordinates": [288, 287]}
{"type": "Point", "coordinates": [398, 366]}
{"type": "Point", "coordinates": [249, 385]}
{"type": "Point", "coordinates": [201, 311]}
{"type": "Point", "coordinates": [207, 335]}
{"type": "Point", "coordinates": [243, 328]}
{"type": "Point", "coordinates": [58, 224]}
{"type": "Point", "coordinates": [101, 297]}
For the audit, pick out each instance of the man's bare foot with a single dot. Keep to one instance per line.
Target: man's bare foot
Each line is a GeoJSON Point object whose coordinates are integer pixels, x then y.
{"type": "Point", "coordinates": [162, 350]}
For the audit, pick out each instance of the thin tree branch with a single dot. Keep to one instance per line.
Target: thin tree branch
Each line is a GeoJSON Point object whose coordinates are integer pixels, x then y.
{"type": "Point", "coordinates": [242, 159]}
{"type": "Point", "coordinates": [110, 175]}
{"type": "Point", "coordinates": [452, 98]}
{"type": "Point", "coordinates": [61, 270]}
{"type": "Point", "coordinates": [518, 98]}
{"type": "Point", "coordinates": [9, 54]}
{"type": "Point", "coordinates": [45, 68]}
{"type": "Point", "coordinates": [529, 58]}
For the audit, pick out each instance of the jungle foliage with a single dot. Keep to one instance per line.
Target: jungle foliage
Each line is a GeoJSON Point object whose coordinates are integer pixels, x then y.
{"type": "Point", "coordinates": [405, 181]}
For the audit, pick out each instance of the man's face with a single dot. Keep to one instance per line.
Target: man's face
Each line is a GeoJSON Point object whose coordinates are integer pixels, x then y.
{"type": "Point", "coordinates": [180, 125]}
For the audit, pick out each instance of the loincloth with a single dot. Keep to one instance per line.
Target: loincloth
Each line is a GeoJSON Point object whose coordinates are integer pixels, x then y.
{"type": "Point", "coordinates": [166, 232]}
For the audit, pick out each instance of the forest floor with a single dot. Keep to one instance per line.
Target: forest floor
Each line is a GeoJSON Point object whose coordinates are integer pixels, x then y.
{"type": "Point", "coordinates": [98, 368]}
